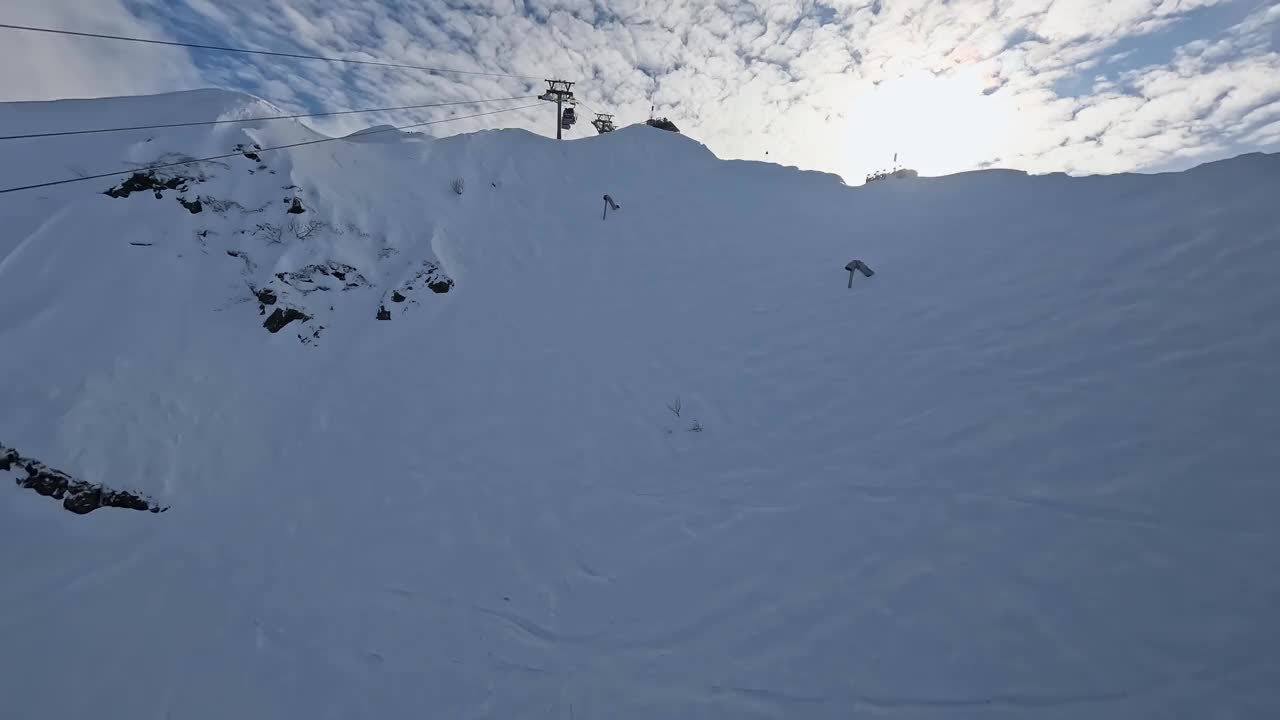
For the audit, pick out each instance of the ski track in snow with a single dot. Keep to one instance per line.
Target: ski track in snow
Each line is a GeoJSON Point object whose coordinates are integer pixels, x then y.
{"type": "Point", "coordinates": [1025, 470]}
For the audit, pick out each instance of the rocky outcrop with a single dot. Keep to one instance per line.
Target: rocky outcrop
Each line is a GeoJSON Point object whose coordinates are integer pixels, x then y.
{"type": "Point", "coordinates": [77, 496]}
{"type": "Point", "coordinates": [250, 154]}
{"type": "Point", "coordinates": [303, 298]}
{"type": "Point", "coordinates": [323, 276]}
{"type": "Point", "coordinates": [282, 317]}
{"type": "Point", "coordinates": [143, 182]}
{"type": "Point", "coordinates": [430, 276]}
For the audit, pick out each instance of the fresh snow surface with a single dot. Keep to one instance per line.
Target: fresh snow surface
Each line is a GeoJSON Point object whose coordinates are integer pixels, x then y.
{"type": "Point", "coordinates": [382, 133]}
{"type": "Point", "coordinates": [1029, 469]}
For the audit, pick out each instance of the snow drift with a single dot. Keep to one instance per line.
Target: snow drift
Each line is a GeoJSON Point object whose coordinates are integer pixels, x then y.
{"type": "Point", "coordinates": [661, 465]}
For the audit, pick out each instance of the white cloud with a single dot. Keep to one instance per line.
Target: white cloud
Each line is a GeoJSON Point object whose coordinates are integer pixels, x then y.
{"type": "Point", "coordinates": [42, 66]}
{"type": "Point", "coordinates": [837, 86]}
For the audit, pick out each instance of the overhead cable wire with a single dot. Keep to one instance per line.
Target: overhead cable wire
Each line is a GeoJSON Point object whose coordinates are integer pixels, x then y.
{"type": "Point", "coordinates": [589, 108]}
{"type": "Point", "coordinates": [63, 133]}
{"type": "Point", "coordinates": [153, 168]}
{"type": "Point", "coordinates": [272, 53]}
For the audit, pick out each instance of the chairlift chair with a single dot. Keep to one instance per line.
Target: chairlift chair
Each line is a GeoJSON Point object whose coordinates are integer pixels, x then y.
{"type": "Point", "coordinates": [568, 118]}
{"type": "Point", "coordinates": [603, 123]}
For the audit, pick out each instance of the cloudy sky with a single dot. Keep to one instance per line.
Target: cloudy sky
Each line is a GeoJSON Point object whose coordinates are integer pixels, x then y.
{"type": "Point", "coordinates": [1082, 86]}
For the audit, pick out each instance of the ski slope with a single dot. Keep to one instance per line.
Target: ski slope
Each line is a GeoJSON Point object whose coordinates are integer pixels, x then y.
{"type": "Point", "coordinates": [1028, 469]}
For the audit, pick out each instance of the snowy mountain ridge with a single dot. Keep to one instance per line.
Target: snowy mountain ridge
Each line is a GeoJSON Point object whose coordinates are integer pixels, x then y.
{"type": "Point", "coordinates": [663, 464]}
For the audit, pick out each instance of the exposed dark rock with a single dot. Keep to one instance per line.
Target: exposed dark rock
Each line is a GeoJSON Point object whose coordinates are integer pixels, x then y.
{"type": "Point", "coordinates": [85, 502]}
{"type": "Point", "coordinates": [141, 244]}
{"type": "Point", "coordinates": [316, 277]}
{"type": "Point", "coordinates": [266, 296]}
{"type": "Point", "coordinates": [193, 206]}
{"type": "Point", "coordinates": [296, 208]}
{"type": "Point", "coordinates": [47, 482]}
{"type": "Point", "coordinates": [309, 339]}
{"type": "Point", "coordinates": [83, 498]}
{"type": "Point", "coordinates": [124, 500]}
{"type": "Point", "coordinates": [283, 316]}
{"type": "Point", "coordinates": [244, 150]}
{"type": "Point", "coordinates": [430, 275]}
{"type": "Point", "coordinates": [77, 496]}
{"type": "Point", "coordinates": [8, 456]}
{"type": "Point", "coordinates": [139, 182]}
{"type": "Point", "coordinates": [383, 313]}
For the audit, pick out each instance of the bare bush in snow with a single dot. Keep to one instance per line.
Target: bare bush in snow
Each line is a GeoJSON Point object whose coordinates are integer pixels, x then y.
{"type": "Point", "coordinates": [302, 231]}
{"type": "Point", "coordinates": [272, 233]}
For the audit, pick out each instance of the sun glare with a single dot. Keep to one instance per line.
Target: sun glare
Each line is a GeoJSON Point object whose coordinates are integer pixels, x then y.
{"type": "Point", "coordinates": [936, 124]}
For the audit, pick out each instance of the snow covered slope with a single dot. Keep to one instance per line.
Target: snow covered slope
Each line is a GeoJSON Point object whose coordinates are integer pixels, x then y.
{"type": "Point", "coordinates": [663, 465]}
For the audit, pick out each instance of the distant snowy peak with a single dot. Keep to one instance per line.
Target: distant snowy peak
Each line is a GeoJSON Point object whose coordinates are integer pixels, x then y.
{"type": "Point", "coordinates": [177, 107]}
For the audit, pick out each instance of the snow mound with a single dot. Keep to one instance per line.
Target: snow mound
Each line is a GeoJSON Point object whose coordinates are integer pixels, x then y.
{"type": "Point", "coordinates": [383, 133]}
{"type": "Point", "coordinates": [487, 454]}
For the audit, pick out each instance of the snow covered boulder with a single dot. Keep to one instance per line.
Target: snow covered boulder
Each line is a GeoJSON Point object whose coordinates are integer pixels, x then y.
{"type": "Point", "coordinates": [77, 496]}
